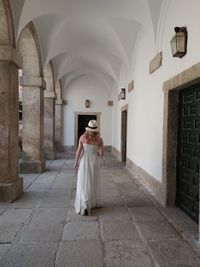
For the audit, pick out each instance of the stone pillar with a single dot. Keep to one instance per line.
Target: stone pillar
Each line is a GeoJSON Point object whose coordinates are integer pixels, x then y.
{"type": "Point", "coordinates": [58, 124]}
{"type": "Point", "coordinates": [33, 160]}
{"type": "Point", "coordinates": [49, 125]}
{"type": "Point", "coordinates": [11, 186]}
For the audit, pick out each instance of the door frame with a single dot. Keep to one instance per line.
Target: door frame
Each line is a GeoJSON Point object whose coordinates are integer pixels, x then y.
{"type": "Point", "coordinates": [171, 89]}
{"type": "Point", "coordinates": [97, 114]}
{"type": "Point", "coordinates": [124, 108]}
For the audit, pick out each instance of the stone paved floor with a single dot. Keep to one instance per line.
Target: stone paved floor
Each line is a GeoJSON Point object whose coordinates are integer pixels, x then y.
{"type": "Point", "coordinates": [41, 229]}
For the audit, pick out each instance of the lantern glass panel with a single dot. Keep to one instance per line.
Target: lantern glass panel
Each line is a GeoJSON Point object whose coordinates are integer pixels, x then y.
{"type": "Point", "coordinates": [180, 42]}
{"type": "Point", "coordinates": [174, 46]}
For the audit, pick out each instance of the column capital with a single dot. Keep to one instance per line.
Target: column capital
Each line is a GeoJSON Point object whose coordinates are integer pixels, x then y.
{"type": "Point", "coordinates": [49, 94]}
{"type": "Point", "coordinates": [59, 101]}
{"type": "Point", "coordinates": [32, 81]}
{"type": "Point", "coordinates": [10, 54]}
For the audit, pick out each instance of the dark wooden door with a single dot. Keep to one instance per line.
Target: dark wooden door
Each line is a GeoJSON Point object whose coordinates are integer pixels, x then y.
{"type": "Point", "coordinates": [83, 122]}
{"type": "Point", "coordinates": [124, 135]}
{"type": "Point", "coordinates": [189, 152]}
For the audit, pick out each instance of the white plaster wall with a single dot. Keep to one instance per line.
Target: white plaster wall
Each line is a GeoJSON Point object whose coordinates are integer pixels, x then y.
{"type": "Point", "coordinates": [145, 113]}
{"type": "Point", "coordinates": [87, 87]}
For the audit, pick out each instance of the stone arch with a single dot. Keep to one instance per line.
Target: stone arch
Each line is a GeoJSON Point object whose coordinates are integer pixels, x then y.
{"type": "Point", "coordinates": [28, 45]}
{"type": "Point", "coordinates": [33, 102]}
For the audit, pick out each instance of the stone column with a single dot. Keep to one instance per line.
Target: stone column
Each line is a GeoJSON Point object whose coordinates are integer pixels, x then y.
{"type": "Point", "coordinates": [33, 160]}
{"type": "Point", "coordinates": [11, 186]}
{"type": "Point", "coordinates": [49, 125]}
{"type": "Point", "coordinates": [58, 124]}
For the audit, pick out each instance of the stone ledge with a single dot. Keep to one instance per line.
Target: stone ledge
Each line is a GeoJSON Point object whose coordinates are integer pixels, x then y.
{"type": "Point", "coordinates": [48, 94]}
{"type": "Point", "coordinates": [59, 101]}
{"type": "Point", "coordinates": [9, 192]}
{"type": "Point", "coordinates": [10, 54]}
{"type": "Point", "coordinates": [33, 82]}
{"type": "Point", "coordinates": [32, 167]}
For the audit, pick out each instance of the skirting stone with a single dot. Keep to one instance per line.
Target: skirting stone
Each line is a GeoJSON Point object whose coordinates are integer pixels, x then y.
{"type": "Point", "coordinates": [146, 180]}
{"type": "Point", "coordinates": [69, 149]}
{"type": "Point", "coordinates": [9, 192]}
{"type": "Point", "coordinates": [108, 148]}
{"type": "Point", "coordinates": [59, 147]}
{"type": "Point", "coordinates": [32, 167]}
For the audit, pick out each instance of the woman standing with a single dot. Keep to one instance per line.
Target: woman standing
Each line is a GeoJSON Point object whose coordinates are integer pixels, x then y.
{"type": "Point", "coordinates": [87, 161]}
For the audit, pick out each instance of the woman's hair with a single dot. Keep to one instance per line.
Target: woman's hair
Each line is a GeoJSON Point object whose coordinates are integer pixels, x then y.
{"type": "Point", "coordinates": [94, 135]}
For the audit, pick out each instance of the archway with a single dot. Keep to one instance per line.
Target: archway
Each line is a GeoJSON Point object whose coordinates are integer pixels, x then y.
{"type": "Point", "coordinates": [33, 103]}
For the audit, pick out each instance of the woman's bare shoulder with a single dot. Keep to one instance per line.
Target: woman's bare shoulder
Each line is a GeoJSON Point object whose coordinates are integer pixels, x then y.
{"type": "Point", "coordinates": [82, 138]}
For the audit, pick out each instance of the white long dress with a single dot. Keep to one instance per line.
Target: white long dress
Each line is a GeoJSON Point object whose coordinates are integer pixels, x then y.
{"type": "Point", "coordinates": [88, 180]}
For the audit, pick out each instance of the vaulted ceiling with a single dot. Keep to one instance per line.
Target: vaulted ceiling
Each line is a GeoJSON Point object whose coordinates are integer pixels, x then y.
{"type": "Point", "coordinates": [88, 37]}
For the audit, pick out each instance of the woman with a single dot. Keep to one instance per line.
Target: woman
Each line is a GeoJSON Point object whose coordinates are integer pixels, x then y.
{"type": "Point", "coordinates": [87, 161]}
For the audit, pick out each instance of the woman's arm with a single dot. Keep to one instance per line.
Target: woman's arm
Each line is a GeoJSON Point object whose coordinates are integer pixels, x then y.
{"type": "Point", "coordinates": [78, 153]}
{"type": "Point", "coordinates": [101, 150]}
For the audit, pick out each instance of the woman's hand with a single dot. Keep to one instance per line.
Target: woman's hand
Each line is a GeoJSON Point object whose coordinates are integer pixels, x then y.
{"type": "Point", "coordinates": [75, 166]}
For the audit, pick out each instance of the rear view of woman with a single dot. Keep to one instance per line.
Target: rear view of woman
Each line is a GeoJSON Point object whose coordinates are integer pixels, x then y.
{"type": "Point", "coordinates": [89, 150]}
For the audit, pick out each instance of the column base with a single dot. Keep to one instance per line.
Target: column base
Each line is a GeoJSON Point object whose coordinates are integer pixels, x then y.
{"type": "Point", "coordinates": [10, 191]}
{"type": "Point", "coordinates": [31, 167]}
{"type": "Point", "coordinates": [50, 155]}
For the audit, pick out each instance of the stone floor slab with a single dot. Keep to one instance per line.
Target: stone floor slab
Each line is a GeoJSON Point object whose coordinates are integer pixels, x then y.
{"type": "Point", "coordinates": [171, 253]}
{"type": "Point", "coordinates": [157, 230]}
{"type": "Point", "coordinates": [182, 222]}
{"type": "Point", "coordinates": [138, 199]}
{"type": "Point", "coordinates": [3, 207]}
{"type": "Point", "coordinates": [56, 198]}
{"type": "Point", "coordinates": [46, 225]}
{"type": "Point", "coordinates": [81, 231]}
{"type": "Point", "coordinates": [32, 255]}
{"type": "Point", "coordinates": [111, 202]}
{"type": "Point", "coordinates": [3, 249]}
{"type": "Point", "coordinates": [73, 216]}
{"type": "Point", "coordinates": [120, 231]}
{"type": "Point", "coordinates": [82, 253]}
{"type": "Point", "coordinates": [28, 200]}
{"type": "Point", "coordinates": [11, 221]}
{"type": "Point", "coordinates": [127, 188]}
{"type": "Point", "coordinates": [28, 179]}
{"type": "Point", "coordinates": [127, 254]}
{"type": "Point", "coordinates": [146, 214]}
{"type": "Point", "coordinates": [61, 183]}
{"type": "Point", "coordinates": [113, 214]}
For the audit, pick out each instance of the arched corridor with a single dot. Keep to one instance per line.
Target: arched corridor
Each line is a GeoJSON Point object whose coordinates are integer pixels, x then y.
{"type": "Point", "coordinates": [134, 67]}
{"type": "Point", "coordinates": [42, 229]}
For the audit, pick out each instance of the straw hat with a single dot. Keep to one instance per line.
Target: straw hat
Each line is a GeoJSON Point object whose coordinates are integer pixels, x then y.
{"type": "Point", "coordinates": [92, 126]}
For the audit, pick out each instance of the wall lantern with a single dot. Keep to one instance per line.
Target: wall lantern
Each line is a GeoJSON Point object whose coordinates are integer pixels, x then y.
{"type": "Point", "coordinates": [123, 93]}
{"type": "Point", "coordinates": [87, 103]}
{"type": "Point", "coordinates": [179, 42]}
